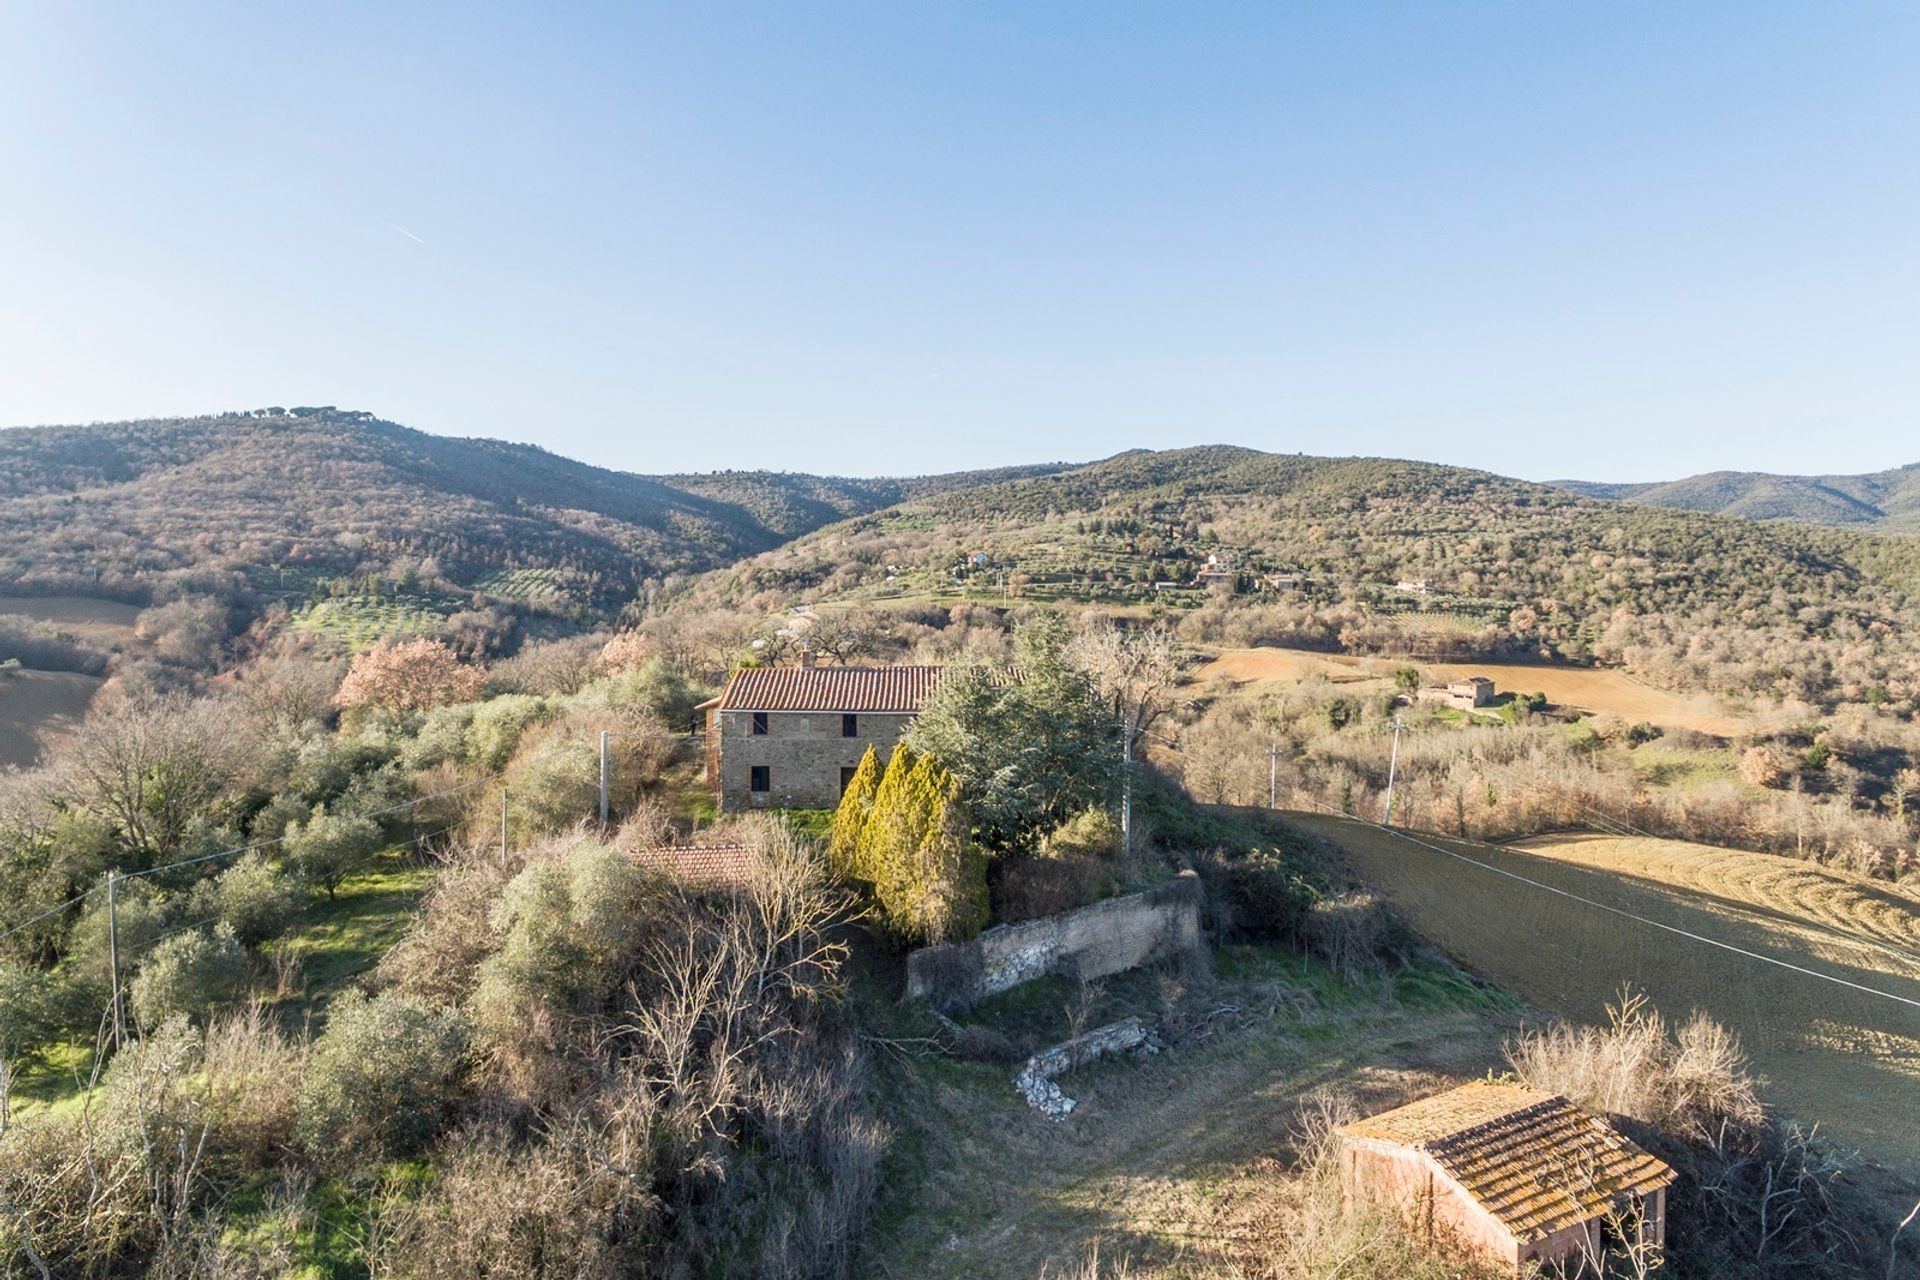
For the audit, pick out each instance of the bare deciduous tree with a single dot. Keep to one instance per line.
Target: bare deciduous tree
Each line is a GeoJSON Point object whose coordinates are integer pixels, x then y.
{"type": "Point", "coordinates": [153, 765]}
{"type": "Point", "coordinates": [1135, 667]}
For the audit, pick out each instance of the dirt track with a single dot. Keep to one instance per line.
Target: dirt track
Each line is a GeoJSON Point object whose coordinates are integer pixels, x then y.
{"type": "Point", "coordinates": [1590, 689]}
{"type": "Point", "coordinates": [1843, 1058]}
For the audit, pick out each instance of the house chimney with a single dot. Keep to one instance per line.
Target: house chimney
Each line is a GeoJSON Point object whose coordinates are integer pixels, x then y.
{"type": "Point", "coordinates": [806, 657]}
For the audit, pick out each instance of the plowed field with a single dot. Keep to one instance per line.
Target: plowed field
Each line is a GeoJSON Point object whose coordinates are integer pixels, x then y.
{"type": "Point", "coordinates": [1590, 689]}
{"type": "Point", "coordinates": [1834, 1054]}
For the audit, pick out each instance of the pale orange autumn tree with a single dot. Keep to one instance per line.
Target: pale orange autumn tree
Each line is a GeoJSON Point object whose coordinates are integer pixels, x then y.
{"type": "Point", "coordinates": [408, 675]}
{"type": "Point", "coordinates": [627, 651]}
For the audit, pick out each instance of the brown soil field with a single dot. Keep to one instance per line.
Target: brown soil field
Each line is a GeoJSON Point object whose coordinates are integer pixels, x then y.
{"type": "Point", "coordinates": [1593, 690]}
{"type": "Point", "coordinates": [38, 706]}
{"type": "Point", "coordinates": [1830, 1054]}
{"type": "Point", "coordinates": [1832, 910]}
{"type": "Point", "coordinates": [103, 621]}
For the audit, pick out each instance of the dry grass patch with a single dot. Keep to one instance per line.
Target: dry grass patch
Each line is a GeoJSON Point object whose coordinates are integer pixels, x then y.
{"type": "Point", "coordinates": [1186, 1164]}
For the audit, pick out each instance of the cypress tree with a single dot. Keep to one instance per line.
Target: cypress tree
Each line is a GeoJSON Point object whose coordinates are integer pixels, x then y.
{"type": "Point", "coordinates": [929, 877]}
{"type": "Point", "coordinates": [951, 868]}
{"type": "Point", "coordinates": [850, 820]}
{"type": "Point", "coordinates": [880, 840]}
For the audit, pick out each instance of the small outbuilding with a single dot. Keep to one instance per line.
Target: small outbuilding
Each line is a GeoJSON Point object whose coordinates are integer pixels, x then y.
{"type": "Point", "coordinates": [1468, 694]}
{"type": "Point", "coordinates": [1510, 1175]}
{"type": "Point", "coordinates": [700, 866]}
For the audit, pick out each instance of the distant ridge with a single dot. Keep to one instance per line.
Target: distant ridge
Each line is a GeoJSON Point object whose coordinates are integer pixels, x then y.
{"type": "Point", "coordinates": [117, 509]}
{"type": "Point", "coordinates": [1887, 501]}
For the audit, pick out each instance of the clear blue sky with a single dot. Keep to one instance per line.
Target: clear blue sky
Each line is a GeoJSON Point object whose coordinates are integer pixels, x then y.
{"type": "Point", "coordinates": [1615, 241]}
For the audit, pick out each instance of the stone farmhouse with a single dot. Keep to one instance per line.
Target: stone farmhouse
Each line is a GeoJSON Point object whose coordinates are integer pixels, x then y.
{"type": "Point", "coordinates": [1468, 694]}
{"type": "Point", "coordinates": [1510, 1175]}
{"type": "Point", "coordinates": [791, 737]}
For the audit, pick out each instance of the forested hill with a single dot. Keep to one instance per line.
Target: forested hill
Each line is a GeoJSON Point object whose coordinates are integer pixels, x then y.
{"type": "Point", "coordinates": [1883, 500]}
{"type": "Point", "coordinates": [114, 508]}
{"type": "Point", "coordinates": [1388, 537]}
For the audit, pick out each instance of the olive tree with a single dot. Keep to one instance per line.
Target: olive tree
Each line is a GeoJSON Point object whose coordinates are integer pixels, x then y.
{"type": "Point", "coordinates": [328, 846]}
{"type": "Point", "coordinates": [381, 1077]}
{"type": "Point", "coordinates": [191, 973]}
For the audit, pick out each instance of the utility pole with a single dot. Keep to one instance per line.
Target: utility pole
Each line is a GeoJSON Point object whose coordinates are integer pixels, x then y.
{"type": "Point", "coordinates": [113, 957]}
{"type": "Point", "coordinates": [1126, 788]}
{"type": "Point", "coordinates": [1273, 775]}
{"type": "Point", "coordinates": [603, 780]}
{"type": "Point", "coordinates": [1393, 767]}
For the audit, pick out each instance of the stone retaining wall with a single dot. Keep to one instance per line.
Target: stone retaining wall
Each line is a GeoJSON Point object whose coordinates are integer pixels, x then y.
{"type": "Point", "coordinates": [1107, 937]}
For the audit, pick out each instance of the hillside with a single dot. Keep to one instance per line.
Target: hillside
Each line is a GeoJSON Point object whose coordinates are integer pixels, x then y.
{"type": "Point", "coordinates": [114, 508]}
{"type": "Point", "coordinates": [1884, 500]}
{"type": "Point", "coordinates": [1353, 528]}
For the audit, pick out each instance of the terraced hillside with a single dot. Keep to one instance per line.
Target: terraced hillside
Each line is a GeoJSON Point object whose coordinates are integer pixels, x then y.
{"type": "Point", "coordinates": [1844, 1054]}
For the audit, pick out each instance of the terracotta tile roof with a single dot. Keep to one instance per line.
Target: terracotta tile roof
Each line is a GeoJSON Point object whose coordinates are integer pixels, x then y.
{"type": "Point", "coordinates": [1532, 1159]}
{"type": "Point", "coordinates": [700, 865]}
{"type": "Point", "coordinates": [871, 689]}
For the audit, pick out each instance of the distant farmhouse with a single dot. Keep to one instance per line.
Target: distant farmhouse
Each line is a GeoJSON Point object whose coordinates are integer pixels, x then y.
{"type": "Point", "coordinates": [791, 737]}
{"type": "Point", "coordinates": [1469, 694]}
{"type": "Point", "coordinates": [1510, 1175]}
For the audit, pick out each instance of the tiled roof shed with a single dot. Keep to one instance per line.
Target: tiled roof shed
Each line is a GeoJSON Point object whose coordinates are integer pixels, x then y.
{"type": "Point", "coordinates": [1541, 1169]}
{"type": "Point", "coordinates": [874, 690]}
{"type": "Point", "coordinates": [700, 866]}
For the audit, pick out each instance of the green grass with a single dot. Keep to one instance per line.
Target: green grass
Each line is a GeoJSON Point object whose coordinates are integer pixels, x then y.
{"type": "Point", "coordinates": [340, 939]}
{"type": "Point", "coordinates": [815, 824]}
{"type": "Point", "coordinates": [1681, 768]}
{"type": "Point", "coordinates": [56, 1082]}
{"type": "Point", "coordinates": [324, 1236]}
{"type": "Point", "coordinates": [975, 1184]}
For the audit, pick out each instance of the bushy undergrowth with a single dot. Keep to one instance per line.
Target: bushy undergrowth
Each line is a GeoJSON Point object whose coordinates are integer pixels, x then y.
{"type": "Point", "coordinates": [1757, 1199]}
{"type": "Point", "coordinates": [594, 1074]}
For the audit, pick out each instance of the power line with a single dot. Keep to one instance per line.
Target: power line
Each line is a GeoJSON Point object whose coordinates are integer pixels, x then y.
{"type": "Point", "coordinates": [1609, 825]}
{"type": "Point", "coordinates": [1674, 929]}
{"type": "Point", "coordinates": [263, 844]}
{"type": "Point", "coordinates": [227, 853]}
{"type": "Point", "coordinates": [33, 920]}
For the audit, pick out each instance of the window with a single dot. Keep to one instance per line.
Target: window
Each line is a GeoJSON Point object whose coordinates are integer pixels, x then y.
{"type": "Point", "coordinates": [849, 725]}
{"type": "Point", "coordinates": [846, 777]}
{"type": "Point", "coordinates": [760, 779]}
{"type": "Point", "coordinates": [759, 724]}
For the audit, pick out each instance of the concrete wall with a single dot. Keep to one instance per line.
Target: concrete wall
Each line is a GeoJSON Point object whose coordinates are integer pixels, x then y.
{"type": "Point", "coordinates": [802, 750]}
{"type": "Point", "coordinates": [1107, 937]}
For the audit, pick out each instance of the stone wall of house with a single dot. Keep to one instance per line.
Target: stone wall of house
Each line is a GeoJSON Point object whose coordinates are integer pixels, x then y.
{"type": "Point", "coordinates": [1107, 937]}
{"type": "Point", "coordinates": [803, 751]}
